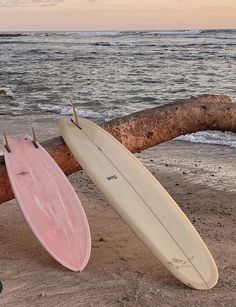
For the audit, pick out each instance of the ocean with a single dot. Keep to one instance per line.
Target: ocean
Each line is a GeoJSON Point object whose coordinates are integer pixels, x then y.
{"type": "Point", "coordinates": [109, 74]}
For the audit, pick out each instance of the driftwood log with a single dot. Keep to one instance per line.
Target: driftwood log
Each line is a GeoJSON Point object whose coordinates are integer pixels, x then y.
{"type": "Point", "coordinates": [144, 129]}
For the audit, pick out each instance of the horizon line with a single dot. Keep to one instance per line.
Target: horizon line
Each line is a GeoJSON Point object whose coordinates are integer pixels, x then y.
{"type": "Point", "coordinates": [127, 30]}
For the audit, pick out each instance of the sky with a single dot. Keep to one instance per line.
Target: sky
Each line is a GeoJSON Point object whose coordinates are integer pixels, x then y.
{"type": "Point", "coordinates": [79, 15]}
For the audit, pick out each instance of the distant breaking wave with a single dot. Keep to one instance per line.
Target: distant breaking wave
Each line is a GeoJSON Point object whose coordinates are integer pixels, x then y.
{"type": "Point", "coordinates": [120, 33]}
{"type": "Point", "coordinates": [83, 113]}
{"type": "Point", "coordinates": [213, 137]}
{"type": "Point", "coordinates": [87, 33]}
{"type": "Point", "coordinates": [176, 32]}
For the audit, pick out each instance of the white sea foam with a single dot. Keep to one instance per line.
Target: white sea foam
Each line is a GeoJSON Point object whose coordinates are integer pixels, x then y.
{"type": "Point", "coordinates": [180, 32]}
{"type": "Point", "coordinates": [83, 113]}
{"type": "Point", "coordinates": [89, 33]}
{"type": "Point", "coordinates": [99, 33]}
{"type": "Point", "coordinates": [211, 137]}
{"type": "Point", "coordinates": [196, 31]}
{"type": "Point", "coordinates": [91, 114]}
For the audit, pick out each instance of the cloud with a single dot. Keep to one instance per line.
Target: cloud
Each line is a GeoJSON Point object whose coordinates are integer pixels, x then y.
{"type": "Point", "coordinates": [17, 3]}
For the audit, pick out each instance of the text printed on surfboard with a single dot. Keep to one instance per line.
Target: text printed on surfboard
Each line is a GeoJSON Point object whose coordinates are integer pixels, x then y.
{"type": "Point", "coordinates": [113, 177]}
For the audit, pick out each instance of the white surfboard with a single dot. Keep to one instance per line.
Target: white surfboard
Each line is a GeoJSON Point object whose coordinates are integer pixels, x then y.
{"type": "Point", "coordinates": [142, 202]}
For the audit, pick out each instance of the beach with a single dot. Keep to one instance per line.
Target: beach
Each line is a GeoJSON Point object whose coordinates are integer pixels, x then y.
{"type": "Point", "coordinates": [108, 75]}
{"type": "Point", "coordinates": [121, 270]}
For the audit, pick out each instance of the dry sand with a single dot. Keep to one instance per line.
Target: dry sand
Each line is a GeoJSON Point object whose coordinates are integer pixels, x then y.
{"type": "Point", "coordinates": [121, 271]}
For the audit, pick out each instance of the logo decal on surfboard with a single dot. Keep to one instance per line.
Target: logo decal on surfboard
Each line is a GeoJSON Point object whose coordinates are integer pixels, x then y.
{"type": "Point", "coordinates": [111, 177]}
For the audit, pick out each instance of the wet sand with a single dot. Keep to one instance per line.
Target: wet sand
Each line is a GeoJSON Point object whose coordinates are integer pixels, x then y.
{"type": "Point", "coordinates": [121, 271]}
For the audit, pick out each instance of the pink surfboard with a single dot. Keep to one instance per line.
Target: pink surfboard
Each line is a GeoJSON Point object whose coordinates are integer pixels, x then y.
{"type": "Point", "coordinates": [49, 203]}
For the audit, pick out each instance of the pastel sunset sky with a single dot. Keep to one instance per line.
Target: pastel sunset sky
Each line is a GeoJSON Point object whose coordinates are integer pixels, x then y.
{"type": "Point", "coordinates": [46, 15]}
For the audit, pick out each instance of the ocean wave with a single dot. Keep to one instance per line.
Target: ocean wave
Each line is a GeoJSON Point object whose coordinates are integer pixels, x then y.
{"type": "Point", "coordinates": [177, 32]}
{"type": "Point", "coordinates": [18, 42]}
{"type": "Point", "coordinates": [221, 34]}
{"type": "Point", "coordinates": [211, 137]}
{"type": "Point", "coordinates": [133, 33]}
{"type": "Point", "coordinates": [194, 32]}
{"type": "Point", "coordinates": [7, 35]}
{"type": "Point", "coordinates": [219, 31]}
{"type": "Point", "coordinates": [82, 113]}
{"type": "Point", "coordinates": [118, 44]}
{"type": "Point", "coordinates": [88, 33]}
{"type": "Point", "coordinates": [128, 33]}
{"type": "Point", "coordinates": [100, 33]}
{"type": "Point", "coordinates": [101, 44]}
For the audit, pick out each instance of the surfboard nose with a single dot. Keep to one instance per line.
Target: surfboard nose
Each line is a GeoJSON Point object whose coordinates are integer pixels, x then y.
{"type": "Point", "coordinates": [211, 278]}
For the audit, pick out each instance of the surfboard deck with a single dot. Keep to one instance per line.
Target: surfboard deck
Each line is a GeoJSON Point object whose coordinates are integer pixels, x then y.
{"type": "Point", "coordinates": [49, 203]}
{"type": "Point", "coordinates": [142, 202]}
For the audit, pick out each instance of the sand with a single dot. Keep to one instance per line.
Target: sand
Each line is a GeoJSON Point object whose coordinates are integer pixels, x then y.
{"type": "Point", "coordinates": [121, 271]}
